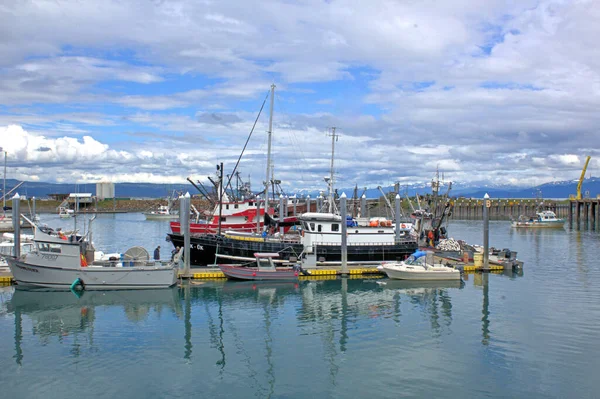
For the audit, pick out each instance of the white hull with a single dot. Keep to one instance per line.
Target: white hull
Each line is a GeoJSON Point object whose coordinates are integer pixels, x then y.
{"type": "Point", "coordinates": [93, 277]}
{"type": "Point", "coordinates": [158, 216]}
{"type": "Point", "coordinates": [539, 225]}
{"type": "Point", "coordinates": [399, 271]}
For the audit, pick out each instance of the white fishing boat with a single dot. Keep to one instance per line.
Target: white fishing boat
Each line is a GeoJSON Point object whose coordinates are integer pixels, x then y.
{"type": "Point", "coordinates": [164, 212]}
{"type": "Point", "coordinates": [420, 266]}
{"type": "Point", "coordinates": [543, 219]}
{"type": "Point", "coordinates": [67, 261]}
{"type": "Point", "coordinates": [65, 212]}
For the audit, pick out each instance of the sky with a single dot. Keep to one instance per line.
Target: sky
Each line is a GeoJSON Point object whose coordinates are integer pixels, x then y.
{"type": "Point", "coordinates": [501, 92]}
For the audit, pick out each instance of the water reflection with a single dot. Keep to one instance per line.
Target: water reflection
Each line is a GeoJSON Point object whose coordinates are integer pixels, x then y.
{"type": "Point", "coordinates": [251, 330]}
{"type": "Point", "coordinates": [61, 314]}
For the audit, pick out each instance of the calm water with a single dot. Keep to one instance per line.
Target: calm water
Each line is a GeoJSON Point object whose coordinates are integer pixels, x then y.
{"type": "Point", "coordinates": [528, 336]}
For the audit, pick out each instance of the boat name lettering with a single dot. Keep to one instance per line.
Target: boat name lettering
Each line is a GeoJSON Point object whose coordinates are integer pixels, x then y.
{"type": "Point", "coordinates": [49, 257]}
{"type": "Point", "coordinates": [29, 269]}
{"type": "Point", "coordinates": [198, 247]}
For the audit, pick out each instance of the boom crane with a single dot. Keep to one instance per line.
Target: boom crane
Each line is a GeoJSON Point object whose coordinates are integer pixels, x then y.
{"type": "Point", "coordinates": [389, 204]}
{"type": "Point", "coordinates": [587, 161]}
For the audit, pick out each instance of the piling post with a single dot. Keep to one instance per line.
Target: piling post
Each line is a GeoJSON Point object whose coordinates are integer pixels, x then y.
{"type": "Point", "coordinates": [184, 223]}
{"type": "Point", "coordinates": [344, 243]}
{"type": "Point", "coordinates": [397, 217]}
{"type": "Point", "coordinates": [16, 219]}
{"type": "Point", "coordinates": [308, 203]}
{"type": "Point", "coordinates": [577, 213]}
{"type": "Point", "coordinates": [33, 208]}
{"type": "Point", "coordinates": [570, 211]}
{"type": "Point", "coordinates": [319, 203]}
{"type": "Point", "coordinates": [597, 221]}
{"type": "Point", "coordinates": [281, 212]}
{"type": "Point", "coordinates": [487, 203]}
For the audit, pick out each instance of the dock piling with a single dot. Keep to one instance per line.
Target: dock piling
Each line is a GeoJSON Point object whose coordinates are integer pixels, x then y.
{"type": "Point", "coordinates": [16, 219]}
{"type": "Point", "coordinates": [184, 221]}
{"type": "Point", "coordinates": [344, 243]}
{"type": "Point", "coordinates": [487, 203]}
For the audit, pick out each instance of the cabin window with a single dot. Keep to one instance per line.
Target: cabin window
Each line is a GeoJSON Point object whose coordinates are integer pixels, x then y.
{"type": "Point", "coordinates": [319, 228]}
{"type": "Point", "coordinates": [335, 227]}
{"type": "Point", "coordinates": [312, 227]}
{"type": "Point", "coordinates": [46, 247]}
{"type": "Point", "coordinates": [223, 219]}
{"type": "Point", "coordinates": [236, 206]}
{"type": "Point", "coordinates": [227, 206]}
{"type": "Point", "coordinates": [250, 203]}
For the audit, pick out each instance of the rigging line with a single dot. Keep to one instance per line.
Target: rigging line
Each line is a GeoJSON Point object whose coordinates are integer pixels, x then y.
{"type": "Point", "coordinates": [292, 137]}
{"type": "Point", "coordinates": [248, 139]}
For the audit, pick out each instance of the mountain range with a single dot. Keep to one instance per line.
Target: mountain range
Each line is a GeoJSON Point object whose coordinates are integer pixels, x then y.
{"type": "Point", "coordinates": [558, 189]}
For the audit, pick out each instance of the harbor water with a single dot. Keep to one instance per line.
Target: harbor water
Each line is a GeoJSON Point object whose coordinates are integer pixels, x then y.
{"type": "Point", "coordinates": [528, 335]}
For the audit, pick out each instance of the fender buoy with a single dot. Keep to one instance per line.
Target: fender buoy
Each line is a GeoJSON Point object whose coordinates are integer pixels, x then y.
{"type": "Point", "coordinates": [403, 226]}
{"type": "Point", "coordinates": [83, 261]}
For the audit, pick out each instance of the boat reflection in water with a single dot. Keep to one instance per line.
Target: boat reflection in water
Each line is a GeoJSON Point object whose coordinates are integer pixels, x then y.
{"type": "Point", "coordinates": [57, 314]}
{"type": "Point", "coordinates": [266, 334]}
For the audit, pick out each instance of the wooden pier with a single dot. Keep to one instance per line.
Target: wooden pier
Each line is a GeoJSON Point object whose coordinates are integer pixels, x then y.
{"type": "Point", "coordinates": [584, 213]}
{"type": "Point", "coordinates": [504, 209]}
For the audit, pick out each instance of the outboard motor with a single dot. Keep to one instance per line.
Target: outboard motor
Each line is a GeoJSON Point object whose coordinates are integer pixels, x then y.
{"type": "Point", "coordinates": [299, 269]}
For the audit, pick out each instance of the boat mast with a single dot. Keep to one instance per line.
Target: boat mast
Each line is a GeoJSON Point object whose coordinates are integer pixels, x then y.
{"type": "Point", "coordinates": [269, 135]}
{"type": "Point", "coordinates": [334, 137]}
{"type": "Point", "coordinates": [4, 185]}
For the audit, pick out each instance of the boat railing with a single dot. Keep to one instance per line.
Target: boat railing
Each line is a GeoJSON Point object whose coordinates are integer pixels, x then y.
{"type": "Point", "coordinates": [374, 244]}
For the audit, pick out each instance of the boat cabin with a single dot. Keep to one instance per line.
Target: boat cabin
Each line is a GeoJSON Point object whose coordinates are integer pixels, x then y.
{"type": "Point", "coordinates": [326, 228]}
{"type": "Point", "coordinates": [264, 261]}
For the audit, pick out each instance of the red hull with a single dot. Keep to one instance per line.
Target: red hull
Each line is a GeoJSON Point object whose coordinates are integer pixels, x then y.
{"type": "Point", "coordinates": [212, 228]}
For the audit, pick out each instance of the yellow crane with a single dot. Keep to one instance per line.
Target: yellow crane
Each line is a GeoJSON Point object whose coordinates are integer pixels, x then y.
{"type": "Point", "coordinates": [578, 195]}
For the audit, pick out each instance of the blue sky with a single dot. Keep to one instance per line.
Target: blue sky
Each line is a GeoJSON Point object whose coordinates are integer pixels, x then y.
{"type": "Point", "coordinates": [487, 91]}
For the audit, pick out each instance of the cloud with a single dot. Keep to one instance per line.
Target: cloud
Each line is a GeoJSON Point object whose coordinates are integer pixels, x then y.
{"type": "Point", "coordinates": [483, 90]}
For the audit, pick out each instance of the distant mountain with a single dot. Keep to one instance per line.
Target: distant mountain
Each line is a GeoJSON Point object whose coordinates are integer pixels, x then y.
{"type": "Point", "coordinates": [559, 189]}
{"type": "Point", "coordinates": [122, 190]}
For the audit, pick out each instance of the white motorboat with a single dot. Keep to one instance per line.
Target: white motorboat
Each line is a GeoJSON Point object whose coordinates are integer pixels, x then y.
{"type": "Point", "coordinates": [63, 262]}
{"type": "Point", "coordinates": [420, 266]}
{"type": "Point", "coordinates": [543, 219]}
{"type": "Point", "coordinates": [65, 212]}
{"type": "Point", "coordinates": [164, 212]}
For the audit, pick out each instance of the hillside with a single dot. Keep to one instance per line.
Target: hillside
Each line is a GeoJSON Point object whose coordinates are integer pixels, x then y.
{"type": "Point", "coordinates": [561, 189]}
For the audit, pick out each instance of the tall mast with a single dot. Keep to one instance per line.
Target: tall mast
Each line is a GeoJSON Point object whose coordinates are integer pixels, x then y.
{"type": "Point", "coordinates": [334, 137]}
{"type": "Point", "coordinates": [4, 185]}
{"type": "Point", "coordinates": [269, 135]}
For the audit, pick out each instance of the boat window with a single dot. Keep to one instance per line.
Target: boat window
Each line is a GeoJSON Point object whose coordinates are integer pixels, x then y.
{"type": "Point", "coordinates": [319, 228]}
{"type": "Point", "coordinates": [236, 206]}
{"type": "Point", "coordinates": [227, 206]}
{"type": "Point", "coordinates": [335, 227]}
{"type": "Point", "coordinates": [312, 227]}
{"type": "Point", "coordinates": [250, 203]}
{"type": "Point", "coordinates": [46, 247]}
{"type": "Point", "coordinates": [223, 219]}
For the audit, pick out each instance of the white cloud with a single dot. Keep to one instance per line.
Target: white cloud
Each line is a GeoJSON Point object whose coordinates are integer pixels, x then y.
{"type": "Point", "coordinates": [510, 87]}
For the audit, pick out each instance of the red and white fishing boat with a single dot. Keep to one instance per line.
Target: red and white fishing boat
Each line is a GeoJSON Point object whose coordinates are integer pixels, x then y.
{"type": "Point", "coordinates": [238, 216]}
